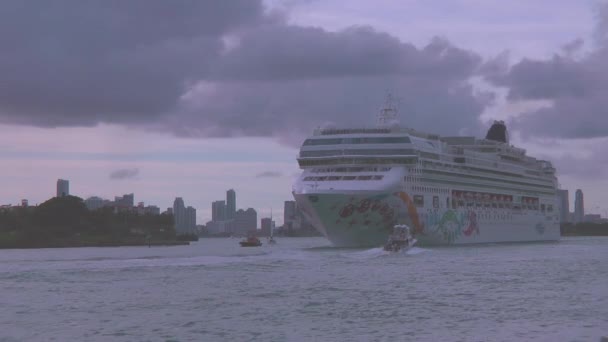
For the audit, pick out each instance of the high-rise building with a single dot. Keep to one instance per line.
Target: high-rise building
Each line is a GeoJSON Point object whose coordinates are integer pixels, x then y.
{"type": "Point", "coordinates": [94, 202]}
{"type": "Point", "coordinates": [63, 188]}
{"type": "Point", "coordinates": [579, 207]}
{"type": "Point", "coordinates": [230, 204]}
{"type": "Point", "coordinates": [245, 221]}
{"type": "Point", "coordinates": [564, 205]}
{"type": "Point", "coordinates": [218, 211]}
{"type": "Point", "coordinates": [190, 224]}
{"type": "Point", "coordinates": [289, 214]}
{"type": "Point", "coordinates": [179, 215]}
{"type": "Point", "coordinates": [124, 201]}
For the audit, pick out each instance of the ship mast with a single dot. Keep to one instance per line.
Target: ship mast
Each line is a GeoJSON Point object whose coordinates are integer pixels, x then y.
{"type": "Point", "coordinates": [387, 116]}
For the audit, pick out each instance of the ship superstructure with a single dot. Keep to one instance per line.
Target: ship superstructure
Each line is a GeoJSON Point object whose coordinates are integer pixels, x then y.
{"type": "Point", "coordinates": [357, 183]}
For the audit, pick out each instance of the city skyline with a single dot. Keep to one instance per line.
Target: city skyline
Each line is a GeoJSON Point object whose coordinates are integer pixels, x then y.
{"type": "Point", "coordinates": [187, 136]}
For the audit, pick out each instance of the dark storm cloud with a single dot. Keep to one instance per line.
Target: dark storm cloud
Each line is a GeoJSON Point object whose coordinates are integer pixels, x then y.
{"type": "Point", "coordinates": [576, 87]}
{"type": "Point", "coordinates": [291, 52]}
{"type": "Point", "coordinates": [167, 64]}
{"type": "Point", "coordinates": [124, 173]}
{"type": "Point", "coordinates": [290, 110]}
{"type": "Point", "coordinates": [284, 81]}
{"type": "Point", "coordinates": [75, 62]}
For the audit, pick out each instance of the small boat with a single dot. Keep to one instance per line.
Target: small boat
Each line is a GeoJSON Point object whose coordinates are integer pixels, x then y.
{"type": "Point", "coordinates": [401, 240]}
{"type": "Point", "coordinates": [251, 241]}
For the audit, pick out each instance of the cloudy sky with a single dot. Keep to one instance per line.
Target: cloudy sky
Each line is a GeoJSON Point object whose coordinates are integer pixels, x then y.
{"type": "Point", "coordinates": [190, 98]}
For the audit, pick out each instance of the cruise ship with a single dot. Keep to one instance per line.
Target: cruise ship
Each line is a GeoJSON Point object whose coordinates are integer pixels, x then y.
{"type": "Point", "coordinates": [357, 183]}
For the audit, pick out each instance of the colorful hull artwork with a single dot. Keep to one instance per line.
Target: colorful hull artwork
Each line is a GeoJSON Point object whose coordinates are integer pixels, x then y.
{"type": "Point", "coordinates": [366, 219]}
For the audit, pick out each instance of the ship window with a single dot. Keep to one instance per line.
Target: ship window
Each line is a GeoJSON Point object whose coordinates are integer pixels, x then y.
{"type": "Point", "coordinates": [435, 201]}
{"type": "Point", "coordinates": [477, 204]}
{"type": "Point", "coordinates": [364, 177]}
{"type": "Point", "coordinates": [550, 208]}
{"type": "Point", "coordinates": [447, 202]}
{"type": "Point", "coordinates": [349, 178]}
{"type": "Point", "coordinates": [308, 179]}
{"type": "Point", "coordinates": [419, 200]}
{"type": "Point", "coordinates": [378, 177]}
{"type": "Point", "coordinates": [494, 205]}
{"type": "Point", "coordinates": [461, 203]}
{"type": "Point", "coordinates": [500, 205]}
{"type": "Point", "coordinates": [542, 208]}
{"type": "Point", "coordinates": [470, 205]}
{"type": "Point", "coordinates": [333, 178]}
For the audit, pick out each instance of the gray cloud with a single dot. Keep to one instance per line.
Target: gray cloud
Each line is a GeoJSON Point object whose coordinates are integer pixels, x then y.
{"type": "Point", "coordinates": [269, 174]}
{"type": "Point", "coordinates": [72, 62]}
{"type": "Point", "coordinates": [124, 174]}
{"type": "Point", "coordinates": [154, 63]}
{"type": "Point", "coordinates": [577, 88]}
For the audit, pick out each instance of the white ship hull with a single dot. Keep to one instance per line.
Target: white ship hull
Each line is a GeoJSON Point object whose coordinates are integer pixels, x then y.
{"type": "Point", "coordinates": [365, 218]}
{"type": "Point", "coordinates": [357, 183]}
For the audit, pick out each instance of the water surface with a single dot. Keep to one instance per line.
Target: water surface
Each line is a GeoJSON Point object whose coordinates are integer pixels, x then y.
{"type": "Point", "coordinates": [304, 290]}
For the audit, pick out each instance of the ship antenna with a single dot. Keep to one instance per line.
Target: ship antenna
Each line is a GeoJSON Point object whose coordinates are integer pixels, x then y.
{"type": "Point", "coordinates": [387, 116]}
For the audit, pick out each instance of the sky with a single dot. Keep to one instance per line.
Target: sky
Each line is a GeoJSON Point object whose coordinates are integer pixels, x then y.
{"type": "Point", "coordinates": [192, 98]}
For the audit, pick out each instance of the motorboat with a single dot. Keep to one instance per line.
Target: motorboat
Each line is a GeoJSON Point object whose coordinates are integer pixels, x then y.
{"type": "Point", "coordinates": [251, 241]}
{"type": "Point", "coordinates": [400, 240]}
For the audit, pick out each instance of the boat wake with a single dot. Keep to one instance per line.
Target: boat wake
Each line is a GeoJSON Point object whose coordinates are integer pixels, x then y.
{"type": "Point", "coordinates": [380, 252]}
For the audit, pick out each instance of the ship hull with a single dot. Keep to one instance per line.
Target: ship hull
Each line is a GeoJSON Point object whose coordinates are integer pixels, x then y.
{"type": "Point", "coordinates": [366, 218]}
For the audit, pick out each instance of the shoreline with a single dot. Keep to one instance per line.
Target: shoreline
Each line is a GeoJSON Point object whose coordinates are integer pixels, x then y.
{"type": "Point", "coordinates": [94, 244]}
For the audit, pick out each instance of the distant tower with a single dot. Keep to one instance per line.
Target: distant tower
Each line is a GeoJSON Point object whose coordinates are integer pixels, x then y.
{"type": "Point", "coordinates": [63, 188]}
{"type": "Point", "coordinates": [230, 204]}
{"type": "Point", "coordinates": [289, 214]}
{"type": "Point", "coordinates": [218, 211]}
{"type": "Point", "coordinates": [579, 206]}
{"type": "Point", "coordinates": [190, 220]}
{"type": "Point", "coordinates": [179, 215]}
{"type": "Point", "coordinates": [564, 205]}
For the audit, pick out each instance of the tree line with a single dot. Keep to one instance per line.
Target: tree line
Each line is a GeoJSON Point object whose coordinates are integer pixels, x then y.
{"type": "Point", "coordinates": [66, 220]}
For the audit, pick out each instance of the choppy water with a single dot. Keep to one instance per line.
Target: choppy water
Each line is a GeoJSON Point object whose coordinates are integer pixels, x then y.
{"type": "Point", "coordinates": [303, 290]}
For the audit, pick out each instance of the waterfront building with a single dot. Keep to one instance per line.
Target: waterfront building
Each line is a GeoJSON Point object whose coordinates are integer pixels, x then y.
{"type": "Point", "coordinates": [593, 218]}
{"type": "Point", "coordinates": [190, 220]}
{"type": "Point", "coordinates": [218, 211]}
{"type": "Point", "coordinates": [125, 201]}
{"type": "Point", "coordinates": [245, 221]}
{"type": "Point", "coordinates": [289, 214]}
{"type": "Point", "coordinates": [179, 215]}
{"type": "Point", "coordinates": [152, 210]}
{"type": "Point", "coordinates": [94, 202]}
{"type": "Point", "coordinates": [579, 207]}
{"type": "Point", "coordinates": [63, 188]}
{"type": "Point", "coordinates": [564, 204]}
{"type": "Point", "coordinates": [230, 204]}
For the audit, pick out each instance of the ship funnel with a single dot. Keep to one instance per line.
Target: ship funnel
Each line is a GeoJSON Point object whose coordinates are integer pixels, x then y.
{"type": "Point", "coordinates": [387, 117]}
{"type": "Point", "coordinates": [498, 132]}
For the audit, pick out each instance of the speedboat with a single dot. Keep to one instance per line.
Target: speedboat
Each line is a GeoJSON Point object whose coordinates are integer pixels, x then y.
{"type": "Point", "coordinates": [251, 241]}
{"type": "Point", "coordinates": [401, 240]}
